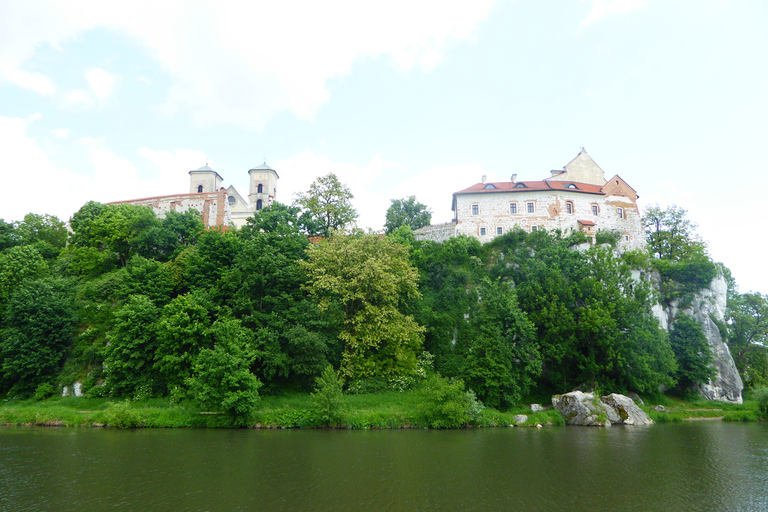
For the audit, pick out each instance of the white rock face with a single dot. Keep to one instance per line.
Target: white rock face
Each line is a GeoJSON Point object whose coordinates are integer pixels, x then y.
{"type": "Point", "coordinates": [520, 418]}
{"type": "Point", "coordinates": [65, 391]}
{"type": "Point", "coordinates": [537, 408]}
{"type": "Point", "coordinates": [710, 302]}
{"type": "Point", "coordinates": [580, 408]}
{"type": "Point", "coordinates": [77, 388]}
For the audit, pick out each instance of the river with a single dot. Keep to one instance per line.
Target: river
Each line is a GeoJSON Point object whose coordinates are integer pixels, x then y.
{"type": "Point", "coordinates": [697, 466]}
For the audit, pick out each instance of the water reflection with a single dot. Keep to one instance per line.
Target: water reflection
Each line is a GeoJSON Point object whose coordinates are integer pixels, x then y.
{"type": "Point", "coordinates": [694, 466]}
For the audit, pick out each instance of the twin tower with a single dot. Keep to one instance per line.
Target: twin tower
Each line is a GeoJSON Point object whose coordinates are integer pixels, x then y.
{"type": "Point", "coordinates": [262, 190]}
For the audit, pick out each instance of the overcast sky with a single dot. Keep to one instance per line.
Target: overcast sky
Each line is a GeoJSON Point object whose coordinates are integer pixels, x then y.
{"type": "Point", "coordinates": [106, 101]}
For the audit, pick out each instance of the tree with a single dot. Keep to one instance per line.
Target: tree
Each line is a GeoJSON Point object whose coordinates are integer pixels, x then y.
{"type": "Point", "coordinates": [129, 356]}
{"type": "Point", "coordinates": [221, 378]}
{"type": "Point", "coordinates": [503, 360]}
{"type": "Point", "coordinates": [748, 334]}
{"type": "Point", "coordinates": [44, 232]}
{"type": "Point", "coordinates": [670, 234]}
{"type": "Point", "coordinates": [407, 212]}
{"type": "Point", "coordinates": [328, 399]}
{"type": "Point", "coordinates": [369, 277]}
{"type": "Point", "coordinates": [692, 351]}
{"type": "Point", "coordinates": [327, 206]}
{"type": "Point", "coordinates": [18, 264]}
{"type": "Point", "coordinates": [40, 324]}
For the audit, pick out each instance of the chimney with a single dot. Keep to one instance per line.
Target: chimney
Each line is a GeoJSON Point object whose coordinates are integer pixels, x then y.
{"type": "Point", "coordinates": [513, 178]}
{"type": "Point", "coordinates": [484, 179]}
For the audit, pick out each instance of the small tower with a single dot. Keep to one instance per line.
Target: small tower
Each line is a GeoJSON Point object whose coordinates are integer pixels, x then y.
{"type": "Point", "coordinates": [204, 179]}
{"type": "Point", "coordinates": [263, 187]}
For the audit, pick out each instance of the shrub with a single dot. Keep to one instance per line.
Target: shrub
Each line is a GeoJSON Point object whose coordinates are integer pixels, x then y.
{"type": "Point", "coordinates": [328, 399]}
{"type": "Point", "coordinates": [120, 415]}
{"type": "Point", "coordinates": [445, 403]}
{"type": "Point", "coordinates": [761, 397]}
{"type": "Point", "coordinates": [43, 391]}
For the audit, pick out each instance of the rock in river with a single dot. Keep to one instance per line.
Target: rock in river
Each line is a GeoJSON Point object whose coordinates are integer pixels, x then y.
{"type": "Point", "coordinates": [580, 408]}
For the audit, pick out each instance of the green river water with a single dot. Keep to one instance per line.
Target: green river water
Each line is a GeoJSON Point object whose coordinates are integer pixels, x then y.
{"type": "Point", "coordinates": [697, 466]}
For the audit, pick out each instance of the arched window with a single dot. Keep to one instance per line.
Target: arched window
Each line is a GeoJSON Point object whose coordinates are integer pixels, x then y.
{"type": "Point", "coordinates": [260, 189]}
{"type": "Point", "coordinates": [199, 188]}
{"type": "Point", "coordinates": [258, 204]}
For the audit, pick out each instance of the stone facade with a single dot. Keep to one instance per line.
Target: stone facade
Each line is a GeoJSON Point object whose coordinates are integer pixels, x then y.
{"type": "Point", "coordinates": [575, 198]}
{"type": "Point", "coordinates": [218, 206]}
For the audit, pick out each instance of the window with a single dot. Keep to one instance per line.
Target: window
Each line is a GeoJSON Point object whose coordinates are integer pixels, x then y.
{"type": "Point", "coordinates": [571, 186]}
{"type": "Point", "coordinates": [482, 231]}
{"type": "Point", "coordinates": [231, 200]}
{"type": "Point", "coordinates": [489, 186]}
{"type": "Point", "coordinates": [531, 207]}
{"type": "Point", "coordinates": [259, 204]}
{"type": "Point", "coordinates": [499, 230]}
{"type": "Point", "coordinates": [626, 237]}
{"type": "Point", "coordinates": [475, 209]}
{"type": "Point", "coordinates": [534, 228]}
{"type": "Point", "coordinates": [620, 212]}
{"type": "Point", "coordinates": [513, 208]}
{"type": "Point", "coordinates": [569, 207]}
{"type": "Point", "coordinates": [520, 185]}
{"type": "Point", "coordinates": [260, 189]}
{"type": "Point", "coordinates": [594, 209]}
{"type": "Point", "coordinates": [199, 188]}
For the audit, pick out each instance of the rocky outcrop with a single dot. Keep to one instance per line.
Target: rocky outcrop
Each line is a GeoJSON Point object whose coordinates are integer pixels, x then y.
{"type": "Point", "coordinates": [706, 304]}
{"type": "Point", "coordinates": [579, 408]}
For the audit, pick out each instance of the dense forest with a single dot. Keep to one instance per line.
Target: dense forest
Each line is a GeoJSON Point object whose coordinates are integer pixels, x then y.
{"type": "Point", "coordinates": [135, 306]}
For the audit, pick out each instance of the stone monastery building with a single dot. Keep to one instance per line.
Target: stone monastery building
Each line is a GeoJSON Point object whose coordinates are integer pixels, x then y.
{"type": "Point", "coordinates": [218, 206]}
{"type": "Point", "coordinates": [576, 198]}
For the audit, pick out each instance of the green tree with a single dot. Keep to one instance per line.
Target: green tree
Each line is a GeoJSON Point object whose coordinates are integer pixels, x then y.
{"type": "Point", "coordinates": [18, 264]}
{"type": "Point", "coordinates": [748, 334]}
{"type": "Point", "coordinates": [670, 234]}
{"type": "Point", "coordinates": [221, 378]}
{"type": "Point", "coordinates": [502, 360]}
{"type": "Point", "coordinates": [407, 212]}
{"type": "Point", "coordinates": [368, 277]}
{"type": "Point", "coordinates": [39, 328]}
{"type": "Point", "coordinates": [130, 355]}
{"type": "Point", "coordinates": [328, 399]}
{"type": "Point", "coordinates": [692, 351]}
{"type": "Point", "coordinates": [44, 232]}
{"type": "Point", "coordinates": [326, 206]}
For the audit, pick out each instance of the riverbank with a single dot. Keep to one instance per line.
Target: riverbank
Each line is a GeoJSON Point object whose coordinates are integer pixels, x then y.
{"type": "Point", "coordinates": [386, 410]}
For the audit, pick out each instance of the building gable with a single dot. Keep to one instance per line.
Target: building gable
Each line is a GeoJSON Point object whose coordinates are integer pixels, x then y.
{"type": "Point", "coordinates": [581, 169]}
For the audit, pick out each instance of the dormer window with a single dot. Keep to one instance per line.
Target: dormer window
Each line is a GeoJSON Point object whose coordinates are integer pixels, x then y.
{"type": "Point", "coordinates": [520, 185]}
{"type": "Point", "coordinates": [572, 186]}
{"type": "Point", "coordinates": [489, 186]}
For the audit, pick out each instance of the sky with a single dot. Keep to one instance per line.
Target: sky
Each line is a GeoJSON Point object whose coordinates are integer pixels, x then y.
{"type": "Point", "coordinates": [108, 101]}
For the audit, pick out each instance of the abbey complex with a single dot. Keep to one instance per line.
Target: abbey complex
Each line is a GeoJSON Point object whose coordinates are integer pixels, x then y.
{"type": "Point", "coordinates": [577, 198]}
{"type": "Point", "coordinates": [218, 206]}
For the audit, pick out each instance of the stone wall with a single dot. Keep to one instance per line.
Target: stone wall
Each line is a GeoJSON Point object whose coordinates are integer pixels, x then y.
{"type": "Point", "coordinates": [213, 206]}
{"type": "Point", "coordinates": [437, 233]}
{"type": "Point", "coordinates": [550, 213]}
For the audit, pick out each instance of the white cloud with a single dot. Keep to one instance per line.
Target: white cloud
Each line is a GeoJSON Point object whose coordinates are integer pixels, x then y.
{"type": "Point", "coordinates": [77, 99]}
{"type": "Point", "coordinates": [601, 8]}
{"type": "Point", "coordinates": [60, 132]}
{"type": "Point", "coordinates": [102, 83]}
{"type": "Point", "coordinates": [243, 62]}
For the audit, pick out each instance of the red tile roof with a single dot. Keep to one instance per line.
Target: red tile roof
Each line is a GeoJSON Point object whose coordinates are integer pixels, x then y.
{"type": "Point", "coordinates": [586, 222]}
{"type": "Point", "coordinates": [509, 186]}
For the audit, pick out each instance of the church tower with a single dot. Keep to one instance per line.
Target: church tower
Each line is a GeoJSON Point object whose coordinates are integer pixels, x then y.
{"type": "Point", "coordinates": [204, 179]}
{"type": "Point", "coordinates": [263, 187]}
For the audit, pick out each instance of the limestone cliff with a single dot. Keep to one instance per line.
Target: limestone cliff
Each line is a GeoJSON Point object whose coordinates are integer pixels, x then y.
{"type": "Point", "coordinates": [707, 303]}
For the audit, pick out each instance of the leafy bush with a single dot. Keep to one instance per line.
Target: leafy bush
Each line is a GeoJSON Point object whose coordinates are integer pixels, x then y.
{"type": "Point", "coordinates": [761, 397]}
{"type": "Point", "coordinates": [741, 416]}
{"type": "Point", "coordinates": [43, 391]}
{"type": "Point", "coordinates": [328, 399]}
{"type": "Point", "coordinates": [120, 415]}
{"type": "Point", "coordinates": [446, 404]}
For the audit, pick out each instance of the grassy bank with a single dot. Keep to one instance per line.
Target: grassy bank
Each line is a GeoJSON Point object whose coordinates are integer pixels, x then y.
{"type": "Point", "coordinates": [369, 411]}
{"type": "Point", "coordinates": [365, 411]}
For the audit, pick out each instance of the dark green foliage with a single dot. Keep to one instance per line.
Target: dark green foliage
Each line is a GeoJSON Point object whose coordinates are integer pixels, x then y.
{"type": "Point", "coordinates": [17, 264]}
{"type": "Point", "coordinates": [130, 356]}
{"type": "Point", "coordinates": [445, 403]}
{"type": "Point", "coordinates": [328, 399]}
{"type": "Point", "coordinates": [692, 352]}
{"type": "Point", "coordinates": [407, 212]}
{"type": "Point", "coordinates": [760, 396]}
{"type": "Point", "coordinates": [502, 359]}
{"type": "Point", "coordinates": [611, 237]}
{"type": "Point", "coordinates": [46, 233]}
{"type": "Point", "coordinates": [326, 206]}
{"type": "Point", "coordinates": [221, 379]}
{"type": "Point", "coordinates": [39, 328]}
{"type": "Point", "coordinates": [747, 335]}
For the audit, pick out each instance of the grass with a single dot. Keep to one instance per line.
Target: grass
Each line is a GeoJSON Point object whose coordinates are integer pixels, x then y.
{"type": "Point", "coordinates": [387, 409]}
